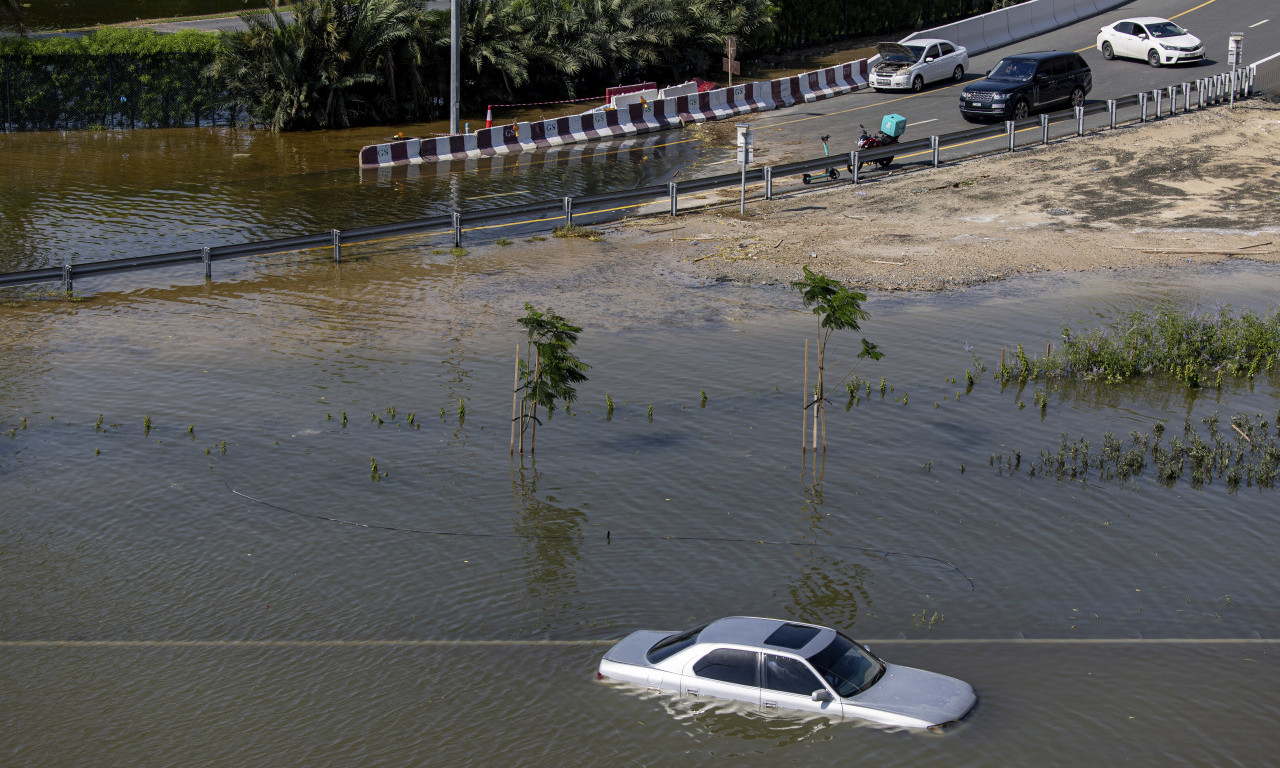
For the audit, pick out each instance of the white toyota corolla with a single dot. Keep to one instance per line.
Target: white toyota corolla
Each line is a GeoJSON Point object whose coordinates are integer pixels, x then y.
{"type": "Point", "coordinates": [773, 665]}
{"type": "Point", "coordinates": [1158, 41]}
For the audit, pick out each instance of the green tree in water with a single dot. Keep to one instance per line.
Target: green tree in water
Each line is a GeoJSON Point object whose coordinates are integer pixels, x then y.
{"type": "Point", "coordinates": [837, 309]}
{"type": "Point", "coordinates": [550, 372]}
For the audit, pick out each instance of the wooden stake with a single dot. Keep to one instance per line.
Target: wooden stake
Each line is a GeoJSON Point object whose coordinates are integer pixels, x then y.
{"type": "Point", "coordinates": [804, 412]}
{"type": "Point", "coordinates": [515, 397]}
{"type": "Point", "coordinates": [533, 435]}
{"type": "Point", "coordinates": [1242, 434]}
{"type": "Point", "coordinates": [822, 398]}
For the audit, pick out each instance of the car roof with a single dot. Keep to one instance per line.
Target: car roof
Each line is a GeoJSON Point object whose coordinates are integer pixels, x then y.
{"type": "Point", "coordinates": [1037, 55]}
{"type": "Point", "coordinates": [754, 631]}
{"type": "Point", "coordinates": [1145, 20]}
{"type": "Point", "coordinates": [925, 41]}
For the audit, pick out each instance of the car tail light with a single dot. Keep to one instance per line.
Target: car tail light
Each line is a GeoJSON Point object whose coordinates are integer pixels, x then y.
{"type": "Point", "coordinates": [599, 676]}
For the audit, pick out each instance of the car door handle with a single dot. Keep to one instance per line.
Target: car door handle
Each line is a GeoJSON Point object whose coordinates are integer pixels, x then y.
{"type": "Point", "coordinates": [691, 691]}
{"type": "Point", "coordinates": [772, 704]}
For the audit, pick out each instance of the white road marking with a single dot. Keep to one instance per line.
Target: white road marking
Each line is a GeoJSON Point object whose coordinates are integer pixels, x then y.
{"type": "Point", "coordinates": [1264, 21]}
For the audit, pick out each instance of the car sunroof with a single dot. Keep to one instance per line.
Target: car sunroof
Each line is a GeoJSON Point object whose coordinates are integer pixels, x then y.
{"type": "Point", "coordinates": [792, 636]}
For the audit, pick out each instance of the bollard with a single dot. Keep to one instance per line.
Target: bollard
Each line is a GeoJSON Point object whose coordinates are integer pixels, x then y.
{"type": "Point", "coordinates": [1008, 126]}
{"type": "Point", "coordinates": [1173, 100]}
{"type": "Point", "coordinates": [568, 212]}
{"type": "Point", "coordinates": [854, 166]}
{"type": "Point", "coordinates": [457, 229]}
{"type": "Point", "coordinates": [66, 277]}
{"type": "Point", "coordinates": [1111, 112]}
{"type": "Point", "coordinates": [935, 144]}
{"type": "Point", "coordinates": [1200, 93]}
{"type": "Point", "coordinates": [337, 245]}
{"type": "Point", "coordinates": [204, 257]}
{"type": "Point", "coordinates": [768, 182]}
{"type": "Point", "coordinates": [1158, 94]}
{"type": "Point", "coordinates": [1186, 97]}
{"type": "Point", "coordinates": [1044, 128]}
{"type": "Point", "coordinates": [1079, 121]}
{"type": "Point", "coordinates": [1142, 102]}
{"type": "Point", "coordinates": [671, 190]}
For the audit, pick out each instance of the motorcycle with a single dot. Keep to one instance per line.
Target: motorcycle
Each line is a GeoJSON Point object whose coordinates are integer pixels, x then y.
{"type": "Point", "coordinates": [880, 139]}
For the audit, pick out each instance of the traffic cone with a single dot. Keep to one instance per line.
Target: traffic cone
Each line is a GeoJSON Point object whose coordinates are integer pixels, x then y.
{"type": "Point", "coordinates": [488, 116]}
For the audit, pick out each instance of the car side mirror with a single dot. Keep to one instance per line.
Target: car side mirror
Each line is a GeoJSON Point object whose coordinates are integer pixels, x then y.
{"type": "Point", "coordinates": [822, 694]}
{"type": "Point", "coordinates": [1142, 37]}
{"type": "Point", "coordinates": [928, 59]}
{"type": "Point", "coordinates": [1042, 78]}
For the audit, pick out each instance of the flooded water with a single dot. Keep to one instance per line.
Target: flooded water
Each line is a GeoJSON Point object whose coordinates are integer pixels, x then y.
{"type": "Point", "coordinates": [202, 568]}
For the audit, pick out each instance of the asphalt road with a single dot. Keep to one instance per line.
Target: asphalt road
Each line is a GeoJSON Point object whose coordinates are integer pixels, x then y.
{"type": "Point", "coordinates": [935, 110]}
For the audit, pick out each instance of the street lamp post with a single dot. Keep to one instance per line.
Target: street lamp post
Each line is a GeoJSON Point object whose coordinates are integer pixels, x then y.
{"type": "Point", "coordinates": [455, 63]}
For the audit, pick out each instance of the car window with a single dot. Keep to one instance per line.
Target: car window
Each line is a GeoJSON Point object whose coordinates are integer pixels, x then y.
{"type": "Point", "coordinates": [1013, 69]}
{"type": "Point", "coordinates": [1078, 63]}
{"type": "Point", "coordinates": [789, 675]}
{"type": "Point", "coordinates": [946, 48]}
{"type": "Point", "coordinates": [729, 665]}
{"type": "Point", "coordinates": [1166, 29]}
{"type": "Point", "coordinates": [933, 51]}
{"type": "Point", "coordinates": [1124, 28]}
{"type": "Point", "coordinates": [670, 646]}
{"type": "Point", "coordinates": [1062, 66]}
{"type": "Point", "coordinates": [1139, 30]}
{"type": "Point", "coordinates": [846, 666]}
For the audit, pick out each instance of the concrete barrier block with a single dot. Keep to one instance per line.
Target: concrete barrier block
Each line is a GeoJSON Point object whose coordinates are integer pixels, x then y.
{"type": "Point", "coordinates": [995, 29]}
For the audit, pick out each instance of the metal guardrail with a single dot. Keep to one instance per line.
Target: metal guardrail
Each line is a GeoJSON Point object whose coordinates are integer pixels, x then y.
{"type": "Point", "coordinates": [1210, 90]}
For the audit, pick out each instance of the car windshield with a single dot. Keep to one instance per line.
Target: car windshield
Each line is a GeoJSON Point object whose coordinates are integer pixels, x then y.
{"type": "Point", "coordinates": [1013, 69]}
{"type": "Point", "coordinates": [673, 644]}
{"type": "Point", "coordinates": [846, 666]}
{"type": "Point", "coordinates": [1166, 29]}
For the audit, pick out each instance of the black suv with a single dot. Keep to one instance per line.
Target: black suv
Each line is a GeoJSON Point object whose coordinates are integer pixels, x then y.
{"type": "Point", "coordinates": [1027, 82]}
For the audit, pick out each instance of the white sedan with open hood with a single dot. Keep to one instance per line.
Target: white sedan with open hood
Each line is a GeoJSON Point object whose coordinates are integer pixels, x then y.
{"type": "Point", "coordinates": [910, 65]}
{"type": "Point", "coordinates": [786, 665]}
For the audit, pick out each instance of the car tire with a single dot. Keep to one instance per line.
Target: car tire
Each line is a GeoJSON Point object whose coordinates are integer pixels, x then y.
{"type": "Point", "coordinates": [957, 74]}
{"type": "Point", "coordinates": [1153, 58]}
{"type": "Point", "coordinates": [1108, 52]}
{"type": "Point", "coordinates": [1077, 97]}
{"type": "Point", "coordinates": [917, 85]}
{"type": "Point", "coordinates": [1021, 109]}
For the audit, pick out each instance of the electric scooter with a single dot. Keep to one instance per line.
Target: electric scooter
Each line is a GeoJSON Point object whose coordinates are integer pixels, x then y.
{"type": "Point", "coordinates": [831, 174]}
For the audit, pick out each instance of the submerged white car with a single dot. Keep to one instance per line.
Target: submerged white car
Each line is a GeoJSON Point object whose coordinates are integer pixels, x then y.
{"type": "Point", "coordinates": [910, 65]}
{"type": "Point", "coordinates": [776, 665]}
{"type": "Point", "coordinates": [1157, 40]}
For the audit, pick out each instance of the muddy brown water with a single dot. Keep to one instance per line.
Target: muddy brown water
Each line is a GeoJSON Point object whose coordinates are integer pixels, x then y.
{"type": "Point", "coordinates": [453, 610]}
{"type": "Point", "coordinates": [153, 616]}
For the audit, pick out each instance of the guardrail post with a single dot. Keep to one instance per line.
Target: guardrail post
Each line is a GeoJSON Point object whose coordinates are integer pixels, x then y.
{"type": "Point", "coordinates": [768, 182]}
{"type": "Point", "coordinates": [1111, 112]}
{"type": "Point", "coordinates": [935, 144]}
{"type": "Point", "coordinates": [66, 277]}
{"type": "Point", "coordinates": [1200, 93]}
{"type": "Point", "coordinates": [1186, 97]}
{"type": "Point", "coordinates": [1234, 83]}
{"type": "Point", "coordinates": [208, 268]}
{"type": "Point", "coordinates": [1008, 127]}
{"type": "Point", "coordinates": [337, 245]}
{"type": "Point", "coordinates": [854, 166]}
{"type": "Point", "coordinates": [1044, 128]}
{"type": "Point", "coordinates": [568, 212]}
{"type": "Point", "coordinates": [1142, 102]}
{"type": "Point", "coordinates": [457, 229]}
{"type": "Point", "coordinates": [1079, 121]}
{"type": "Point", "coordinates": [1158, 94]}
{"type": "Point", "coordinates": [671, 190]}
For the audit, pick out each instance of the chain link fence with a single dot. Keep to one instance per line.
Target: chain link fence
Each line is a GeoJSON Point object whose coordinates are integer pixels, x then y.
{"type": "Point", "coordinates": [101, 91]}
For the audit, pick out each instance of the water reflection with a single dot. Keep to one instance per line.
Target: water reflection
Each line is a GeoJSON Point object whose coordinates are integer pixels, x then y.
{"type": "Point", "coordinates": [553, 542]}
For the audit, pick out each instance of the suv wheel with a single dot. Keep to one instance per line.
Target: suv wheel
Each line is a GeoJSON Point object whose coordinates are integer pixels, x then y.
{"type": "Point", "coordinates": [1153, 57]}
{"type": "Point", "coordinates": [958, 73]}
{"type": "Point", "coordinates": [1021, 109]}
{"type": "Point", "coordinates": [1108, 52]}
{"type": "Point", "coordinates": [917, 85]}
{"type": "Point", "coordinates": [1077, 98]}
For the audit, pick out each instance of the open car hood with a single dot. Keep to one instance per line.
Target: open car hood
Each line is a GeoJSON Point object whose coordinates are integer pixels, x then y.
{"type": "Point", "coordinates": [894, 52]}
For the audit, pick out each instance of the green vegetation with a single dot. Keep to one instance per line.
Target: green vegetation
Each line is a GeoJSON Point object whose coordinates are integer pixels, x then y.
{"type": "Point", "coordinates": [576, 230]}
{"type": "Point", "coordinates": [1199, 349]}
{"type": "Point", "coordinates": [551, 371]}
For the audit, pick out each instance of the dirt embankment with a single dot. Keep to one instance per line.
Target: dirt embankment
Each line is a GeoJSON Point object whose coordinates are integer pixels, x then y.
{"type": "Point", "coordinates": [1199, 187]}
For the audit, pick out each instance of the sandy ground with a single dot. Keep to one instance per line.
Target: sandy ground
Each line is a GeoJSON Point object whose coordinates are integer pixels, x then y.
{"type": "Point", "coordinates": [1195, 188]}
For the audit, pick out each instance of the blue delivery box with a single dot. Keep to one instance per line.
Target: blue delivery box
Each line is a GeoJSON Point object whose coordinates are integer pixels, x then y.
{"type": "Point", "coordinates": [894, 125]}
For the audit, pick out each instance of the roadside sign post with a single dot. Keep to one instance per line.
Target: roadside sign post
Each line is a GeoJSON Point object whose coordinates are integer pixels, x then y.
{"type": "Point", "coordinates": [730, 62]}
{"type": "Point", "coordinates": [1235, 55]}
{"type": "Point", "coordinates": [746, 142]}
